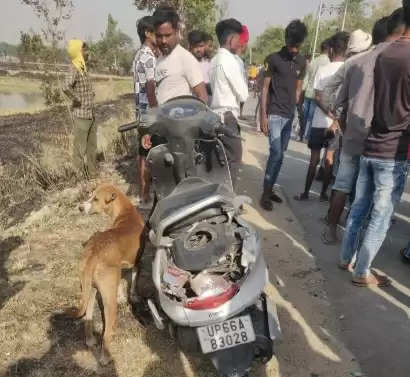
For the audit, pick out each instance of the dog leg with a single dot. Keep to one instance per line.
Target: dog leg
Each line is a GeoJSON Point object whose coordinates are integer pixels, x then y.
{"type": "Point", "coordinates": [90, 339]}
{"type": "Point", "coordinates": [108, 290]}
{"type": "Point", "coordinates": [134, 295]}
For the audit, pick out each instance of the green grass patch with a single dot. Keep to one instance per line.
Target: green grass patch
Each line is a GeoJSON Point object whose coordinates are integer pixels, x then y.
{"type": "Point", "coordinates": [18, 85]}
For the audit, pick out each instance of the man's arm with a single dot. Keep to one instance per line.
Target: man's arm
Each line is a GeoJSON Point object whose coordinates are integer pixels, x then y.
{"type": "Point", "coordinates": [321, 104]}
{"type": "Point", "coordinates": [299, 89]}
{"type": "Point", "coordinates": [152, 98]}
{"type": "Point", "coordinates": [264, 100]}
{"type": "Point", "coordinates": [339, 101]}
{"type": "Point", "coordinates": [299, 85]}
{"type": "Point", "coordinates": [332, 88]}
{"type": "Point", "coordinates": [150, 86]}
{"type": "Point", "coordinates": [236, 79]}
{"type": "Point", "coordinates": [200, 92]}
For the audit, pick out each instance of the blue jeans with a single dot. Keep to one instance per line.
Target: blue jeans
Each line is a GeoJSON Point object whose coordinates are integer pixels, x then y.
{"type": "Point", "coordinates": [309, 107]}
{"type": "Point", "coordinates": [347, 173]}
{"type": "Point", "coordinates": [381, 183]}
{"type": "Point", "coordinates": [280, 130]}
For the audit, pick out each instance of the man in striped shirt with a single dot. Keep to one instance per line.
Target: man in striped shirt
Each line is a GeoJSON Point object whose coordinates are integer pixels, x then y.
{"type": "Point", "coordinates": [144, 89]}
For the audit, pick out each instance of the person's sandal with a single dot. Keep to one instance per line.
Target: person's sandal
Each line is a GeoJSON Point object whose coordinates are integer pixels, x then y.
{"type": "Point", "coordinates": [266, 203]}
{"type": "Point", "coordinates": [328, 239]}
{"type": "Point", "coordinates": [301, 197]}
{"type": "Point", "coordinates": [404, 257]}
{"type": "Point", "coordinates": [346, 267]}
{"type": "Point", "coordinates": [277, 199]}
{"type": "Point", "coordinates": [373, 280]}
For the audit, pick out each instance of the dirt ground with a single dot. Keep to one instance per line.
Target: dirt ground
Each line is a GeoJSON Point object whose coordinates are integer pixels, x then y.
{"type": "Point", "coordinates": [39, 277]}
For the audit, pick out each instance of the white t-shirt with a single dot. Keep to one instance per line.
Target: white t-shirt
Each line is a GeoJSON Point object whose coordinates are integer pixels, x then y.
{"type": "Point", "coordinates": [205, 66]}
{"type": "Point", "coordinates": [322, 79]}
{"type": "Point", "coordinates": [229, 87]}
{"type": "Point", "coordinates": [176, 74]}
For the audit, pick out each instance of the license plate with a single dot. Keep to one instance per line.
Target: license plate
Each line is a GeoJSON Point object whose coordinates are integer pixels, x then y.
{"type": "Point", "coordinates": [227, 334]}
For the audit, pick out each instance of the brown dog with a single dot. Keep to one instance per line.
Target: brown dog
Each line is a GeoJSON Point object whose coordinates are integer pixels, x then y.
{"type": "Point", "coordinates": [106, 253]}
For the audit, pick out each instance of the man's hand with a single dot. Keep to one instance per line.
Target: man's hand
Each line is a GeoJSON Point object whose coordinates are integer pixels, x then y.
{"type": "Point", "coordinates": [146, 142]}
{"type": "Point", "coordinates": [335, 126]}
{"type": "Point", "coordinates": [331, 115]}
{"type": "Point", "coordinates": [264, 125]}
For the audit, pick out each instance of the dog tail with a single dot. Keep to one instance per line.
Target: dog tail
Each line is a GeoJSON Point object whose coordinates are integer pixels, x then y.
{"type": "Point", "coordinates": [86, 287]}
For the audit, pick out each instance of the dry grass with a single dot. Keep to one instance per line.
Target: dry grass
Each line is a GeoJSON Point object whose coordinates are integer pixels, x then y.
{"type": "Point", "coordinates": [41, 268]}
{"type": "Point", "coordinates": [35, 156]}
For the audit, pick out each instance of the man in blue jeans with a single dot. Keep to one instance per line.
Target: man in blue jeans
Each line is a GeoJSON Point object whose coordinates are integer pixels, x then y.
{"type": "Point", "coordinates": [383, 166]}
{"type": "Point", "coordinates": [284, 73]}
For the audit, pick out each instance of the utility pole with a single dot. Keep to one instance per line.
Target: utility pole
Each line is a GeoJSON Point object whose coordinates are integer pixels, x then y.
{"type": "Point", "coordinates": [317, 28]}
{"type": "Point", "coordinates": [330, 10]}
{"type": "Point", "coordinates": [345, 14]}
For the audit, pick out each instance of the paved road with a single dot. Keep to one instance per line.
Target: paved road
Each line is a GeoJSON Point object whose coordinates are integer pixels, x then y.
{"type": "Point", "coordinates": [375, 323]}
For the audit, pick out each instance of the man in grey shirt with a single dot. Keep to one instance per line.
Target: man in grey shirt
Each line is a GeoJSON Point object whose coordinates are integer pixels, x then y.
{"type": "Point", "coordinates": [354, 101]}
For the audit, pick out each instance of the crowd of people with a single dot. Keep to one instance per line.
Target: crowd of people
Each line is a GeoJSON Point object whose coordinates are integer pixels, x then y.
{"type": "Point", "coordinates": [353, 102]}
{"type": "Point", "coordinates": [354, 113]}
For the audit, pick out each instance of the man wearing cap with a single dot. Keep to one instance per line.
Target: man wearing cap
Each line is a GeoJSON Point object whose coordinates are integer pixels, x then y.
{"type": "Point", "coordinates": [355, 99]}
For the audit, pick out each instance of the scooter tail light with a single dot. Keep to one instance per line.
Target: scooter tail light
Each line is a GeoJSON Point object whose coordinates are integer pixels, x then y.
{"type": "Point", "coordinates": [213, 301]}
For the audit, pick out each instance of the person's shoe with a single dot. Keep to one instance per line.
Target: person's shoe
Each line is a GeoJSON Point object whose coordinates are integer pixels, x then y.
{"type": "Point", "coordinates": [404, 257]}
{"type": "Point", "coordinates": [275, 198]}
{"type": "Point", "coordinates": [266, 202]}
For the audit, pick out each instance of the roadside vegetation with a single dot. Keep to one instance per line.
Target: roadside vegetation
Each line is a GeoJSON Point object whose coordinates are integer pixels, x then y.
{"type": "Point", "coordinates": [107, 88]}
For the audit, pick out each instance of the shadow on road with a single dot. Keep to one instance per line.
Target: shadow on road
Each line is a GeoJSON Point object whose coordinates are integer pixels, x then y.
{"type": "Point", "coordinates": [381, 311]}
{"type": "Point", "coordinates": [309, 347]}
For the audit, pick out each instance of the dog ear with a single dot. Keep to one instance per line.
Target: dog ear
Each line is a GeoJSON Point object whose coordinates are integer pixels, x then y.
{"type": "Point", "coordinates": [110, 197]}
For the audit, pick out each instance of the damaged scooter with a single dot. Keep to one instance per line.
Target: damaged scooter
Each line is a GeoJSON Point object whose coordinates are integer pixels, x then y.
{"type": "Point", "coordinates": [209, 270]}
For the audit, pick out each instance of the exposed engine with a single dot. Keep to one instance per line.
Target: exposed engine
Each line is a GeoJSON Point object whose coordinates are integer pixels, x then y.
{"type": "Point", "coordinates": [207, 260]}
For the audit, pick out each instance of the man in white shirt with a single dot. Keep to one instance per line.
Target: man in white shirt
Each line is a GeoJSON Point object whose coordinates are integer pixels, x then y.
{"type": "Point", "coordinates": [229, 88]}
{"type": "Point", "coordinates": [325, 129]}
{"type": "Point", "coordinates": [178, 73]}
{"type": "Point", "coordinates": [197, 46]}
{"type": "Point", "coordinates": [227, 81]}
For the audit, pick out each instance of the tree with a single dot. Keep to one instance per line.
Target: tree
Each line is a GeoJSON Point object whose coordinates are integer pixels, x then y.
{"type": "Point", "coordinates": [114, 50]}
{"type": "Point", "coordinates": [271, 40]}
{"type": "Point", "coordinates": [194, 14]}
{"type": "Point", "coordinates": [31, 47]}
{"type": "Point", "coordinates": [52, 14]}
{"type": "Point", "coordinates": [356, 17]}
{"type": "Point", "coordinates": [7, 49]}
{"type": "Point", "coordinates": [384, 8]}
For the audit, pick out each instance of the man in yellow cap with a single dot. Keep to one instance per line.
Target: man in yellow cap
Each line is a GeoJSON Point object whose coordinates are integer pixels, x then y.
{"type": "Point", "coordinates": [78, 88]}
